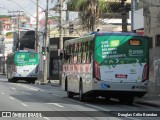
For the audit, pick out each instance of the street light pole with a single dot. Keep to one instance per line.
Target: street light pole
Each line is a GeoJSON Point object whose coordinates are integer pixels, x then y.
{"type": "Point", "coordinates": [3, 57]}
{"type": "Point", "coordinates": [37, 26]}
{"type": "Point", "coordinates": [45, 45]}
{"type": "Point", "coordinates": [60, 40]}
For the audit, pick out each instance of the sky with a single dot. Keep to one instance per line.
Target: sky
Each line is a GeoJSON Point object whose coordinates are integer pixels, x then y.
{"type": "Point", "coordinates": [28, 6]}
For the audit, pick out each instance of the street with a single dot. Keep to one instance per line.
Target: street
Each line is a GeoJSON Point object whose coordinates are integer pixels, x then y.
{"type": "Point", "coordinates": [52, 102]}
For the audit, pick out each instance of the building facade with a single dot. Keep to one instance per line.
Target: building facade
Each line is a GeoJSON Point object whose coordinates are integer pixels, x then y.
{"type": "Point", "coordinates": [152, 29]}
{"type": "Point", "coordinates": [146, 17]}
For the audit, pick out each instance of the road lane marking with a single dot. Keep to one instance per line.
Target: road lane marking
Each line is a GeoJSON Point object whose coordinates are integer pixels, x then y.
{"type": "Point", "coordinates": [103, 109]}
{"type": "Point", "coordinates": [132, 118]}
{"type": "Point", "coordinates": [33, 89]}
{"type": "Point", "coordinates": [11, 98]}
{"type": "Point", "coordinates": [138, 104]}
{"type": "Point", "coordinates": [13, 88]}
{"type": "Point", "coordinates": [57, 95]}
{"type": "Point", "coordinates": [25, 86]}
{"type": "Point", "coordinates": [129, 107]}
{"type": "Point", "coordinates": [24, 104]}
{"type": "Point", "coordinates": [56, 104]}
{"type": "Point", "coordinates": [93, 106]}
{"type": "Point", "coordinates": [2, 93]}
{"type": "Point", "coordinates": [46, 118]}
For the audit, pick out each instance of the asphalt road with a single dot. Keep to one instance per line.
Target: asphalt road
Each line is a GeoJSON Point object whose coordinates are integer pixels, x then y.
{"type": "Point", "coordinates": [51, 103]}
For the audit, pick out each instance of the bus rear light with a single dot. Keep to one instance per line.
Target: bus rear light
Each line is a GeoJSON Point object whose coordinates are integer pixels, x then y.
{"type": "Point", "coordinates": [36, 70]}
{"type": "Point", "coordinates": [97, 71]}
{"type": "Point", "coordinates": [145, 73]}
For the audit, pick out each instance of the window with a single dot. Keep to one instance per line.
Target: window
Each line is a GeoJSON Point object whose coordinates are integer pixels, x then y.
{"type": "Point", "coordinates": [84, 57]}
{"type": "Point", "coordinates": [75, 58]}
{"type": "Point", "coordinates": [79, 52]}
{"type": "Point", "coordinates": [79, 57]}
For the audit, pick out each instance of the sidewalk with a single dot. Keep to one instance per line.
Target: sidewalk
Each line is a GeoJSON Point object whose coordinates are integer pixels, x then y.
{"type": "Point", "coordinates": [152, 98]}
{"type": "Point", "coordinates": [48, 82]}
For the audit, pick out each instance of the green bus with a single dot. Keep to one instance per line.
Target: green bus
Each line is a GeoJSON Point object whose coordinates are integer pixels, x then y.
{"type": "Point", "coordinates": [110, 65]}
{"type": "Point", "coordinates": [22, 65]}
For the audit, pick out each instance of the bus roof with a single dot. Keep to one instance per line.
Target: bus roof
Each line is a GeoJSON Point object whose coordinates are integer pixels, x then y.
{"type": "Point", "coordinates": [89, 36]}
{"type": "Point", "coordinates": [76, 40]}
{"type": "Point", "coordinates": [25, 51]}
{"type": "Point", "coordinates": [114, 33]}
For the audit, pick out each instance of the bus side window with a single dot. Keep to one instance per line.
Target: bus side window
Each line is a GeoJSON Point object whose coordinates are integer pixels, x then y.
{"type": "Point", "coordinates": [79, 57]}
{"type": "Point", "coordinates": [90, 56]}
{"type": "Point", "coordinates": [79, 52]}
{"type": "Point", "coordinates": [89, 51]}
{"type": "Point", "coordinates": [80, 47]}
{"type": "Point", "coordinates": [69, 48]}
{"type": "Point", "coordinates": [83, 55]}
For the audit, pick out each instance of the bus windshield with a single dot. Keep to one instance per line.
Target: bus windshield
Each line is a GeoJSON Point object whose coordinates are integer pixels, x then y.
{"type": "Point", "coordinates": [24, 58]}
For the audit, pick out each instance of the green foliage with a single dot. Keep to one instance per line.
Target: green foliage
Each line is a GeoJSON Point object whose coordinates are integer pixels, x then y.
{"type": "Point", "coordinates": [5, 16]}
{"type": "Point", "coordinates": [103, 6]}
{"type": "Point", "coordinates": [9, 33]}
{"type": "Point", "coordinates": [90, 11]}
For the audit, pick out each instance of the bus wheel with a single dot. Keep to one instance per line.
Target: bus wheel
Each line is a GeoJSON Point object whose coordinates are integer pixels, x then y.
{"type": "Point", "coordinates": [9, 80]}
{"type": "Point", "coordinates": [107, 99]}
{"type": "Point", "coordinates": [130, 101]}
{"type": "Point", "coordinates": [33, 82]}
{"type": "Point", "coordinates": [122, 100]}
{"type": "Point", "coordinates": [127, 101]}
{"type": "Point", "coordinates": [81, 96]}
{"type": "Point", "coordinates": [69, 94]}
{"type": "Point", "coordinates": [15, 81]}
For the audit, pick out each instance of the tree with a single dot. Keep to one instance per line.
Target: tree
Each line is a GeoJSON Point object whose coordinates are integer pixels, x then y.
{"type": "Point", "coordinates": [90, 10]}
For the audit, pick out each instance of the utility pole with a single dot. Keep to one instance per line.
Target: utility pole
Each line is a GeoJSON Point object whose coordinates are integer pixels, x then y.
{"type": "Point", "coordinates": [60, 39]}
{"type": "Point", "coordinates": [3, 52]}
{"type": "Point", "coordinates": [37, 26]}
{"type": "Point", "coordinates": [124, 16]}
{"type": "Point", "coordinates": [45, 45]}
{"type": "Point", "coordinates": [19, 13]}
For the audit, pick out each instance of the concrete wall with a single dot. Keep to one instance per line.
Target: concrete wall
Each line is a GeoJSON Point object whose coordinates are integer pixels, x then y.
{"type": "Point", "coordinates": [152, 29]}
{"type": "Point", "coordinates": [152, 19]}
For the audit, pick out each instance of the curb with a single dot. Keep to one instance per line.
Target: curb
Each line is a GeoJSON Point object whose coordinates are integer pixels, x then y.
{"type": "Point", "coordinates": [52, 84]}
{"type": "Point", "coordinates": [148, 103]}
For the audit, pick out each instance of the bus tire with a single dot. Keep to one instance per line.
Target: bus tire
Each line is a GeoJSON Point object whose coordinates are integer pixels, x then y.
{"type": "Point", "coordinates": [122, 100]}
{"type": "Point", "coordinates": [130, 100]}
{"type": "Point", "coordinates": [9, 80]}
{"type": "Point", "coordinates": [107, 99]}
{"type": "Point", "coordinates": [81, 96]}
{"type": "Point", "coordinates": [127, 101]}
{"type": "Point", "coordinates": [66, 85]}
{"type": "Point", "coordinates": [69, 94]}
{"type": "Point", "coordinates": [33, 82]}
